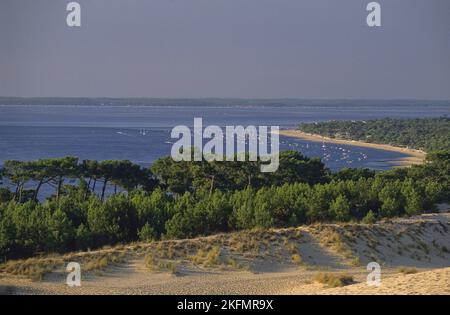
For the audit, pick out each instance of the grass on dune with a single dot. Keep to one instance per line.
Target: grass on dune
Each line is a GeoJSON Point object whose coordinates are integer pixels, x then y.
{"type": "Point", "coordinates": [333, 280]}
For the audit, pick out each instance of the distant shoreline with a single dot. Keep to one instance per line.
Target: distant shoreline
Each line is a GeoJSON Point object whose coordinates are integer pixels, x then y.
{"type": "Point", "coordinates": [415, 157]}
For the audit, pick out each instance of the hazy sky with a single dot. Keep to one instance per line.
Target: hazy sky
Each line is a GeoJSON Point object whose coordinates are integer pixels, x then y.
{"type": "Point", "coordinates": [226, 48]}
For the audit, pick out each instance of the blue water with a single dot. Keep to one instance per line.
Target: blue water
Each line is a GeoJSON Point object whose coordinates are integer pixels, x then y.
{"type": "Point", "coordinates": [142, 133]}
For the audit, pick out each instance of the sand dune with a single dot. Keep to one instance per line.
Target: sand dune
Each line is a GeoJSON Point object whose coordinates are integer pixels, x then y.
{"type": "Point", "coordinates": [276, 261]}
{"type": "Point", "coordinates": [427, 282]}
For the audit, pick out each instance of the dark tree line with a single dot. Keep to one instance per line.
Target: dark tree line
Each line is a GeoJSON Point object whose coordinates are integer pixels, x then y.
{"type": "Point", "coordinates": [187, 199]}
{"type": "Point", "coordinates": [427, 134]}
{"type": "Point", "coordinates": [56, 171]}
{"type": "Point", "coordinates": [180, 177]}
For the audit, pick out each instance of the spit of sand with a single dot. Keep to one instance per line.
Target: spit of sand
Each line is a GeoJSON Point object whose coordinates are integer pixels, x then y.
{"type": "Point", "coordinates": [414, 156]}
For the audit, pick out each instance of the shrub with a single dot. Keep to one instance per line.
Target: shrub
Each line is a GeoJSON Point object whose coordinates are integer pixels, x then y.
{"type": "Point", "coordinates": [151, 262]}
{"type": "Point", "coordinates": [147, 233]}
{"type": "Point", "coordinates": [334, 280]}
{"type": "Point", "coordinates": [207, 258]}
{"type": "Point", "coordinates": [370, 218]}
{"type": "Point", "coordinates": [340, 208]}
{"type": "Point", "coordinates": [296, 258]}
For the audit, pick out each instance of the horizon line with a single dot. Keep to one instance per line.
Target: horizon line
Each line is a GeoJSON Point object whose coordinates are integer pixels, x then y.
{"type": "Point", "coordinates": [227, 98]}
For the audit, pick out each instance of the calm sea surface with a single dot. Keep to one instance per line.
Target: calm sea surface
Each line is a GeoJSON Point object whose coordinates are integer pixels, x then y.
{"type": "Point", "coordinates": [142, 133]}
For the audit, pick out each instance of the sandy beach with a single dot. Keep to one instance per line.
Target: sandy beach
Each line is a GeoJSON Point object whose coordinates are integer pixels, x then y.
{"type": "Point", "coordinates": [415, 157]}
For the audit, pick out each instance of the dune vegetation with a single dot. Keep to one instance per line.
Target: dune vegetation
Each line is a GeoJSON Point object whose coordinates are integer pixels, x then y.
{"type": "Point", "coordinates": [183, 200]}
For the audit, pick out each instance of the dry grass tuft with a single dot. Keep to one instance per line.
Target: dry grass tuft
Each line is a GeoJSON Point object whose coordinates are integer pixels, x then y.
{"type": "Point", "coordinates": [32, 268]}
{"type": "Point", "coordinates": [407, 270]}
{"type": "Point", "coordinates": [207, 258]}
{"type": "Point", "coordinates": [153, 264]}
{"type": "Point", "coordinates": [334, 280]}
{"type": "Point", "coordinates": [102, 261]}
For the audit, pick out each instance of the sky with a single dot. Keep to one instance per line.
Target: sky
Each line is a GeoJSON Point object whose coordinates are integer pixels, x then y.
{"type": "Point", "coordinates": [226, 48]}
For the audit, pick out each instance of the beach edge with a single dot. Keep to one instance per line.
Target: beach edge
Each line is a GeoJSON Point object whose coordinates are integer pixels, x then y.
{"type": "Point", "coordinates": [415, 157]}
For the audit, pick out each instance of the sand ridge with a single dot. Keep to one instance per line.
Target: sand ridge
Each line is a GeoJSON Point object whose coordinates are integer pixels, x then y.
{"type": "Point", "coordinates": [421, 243]}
